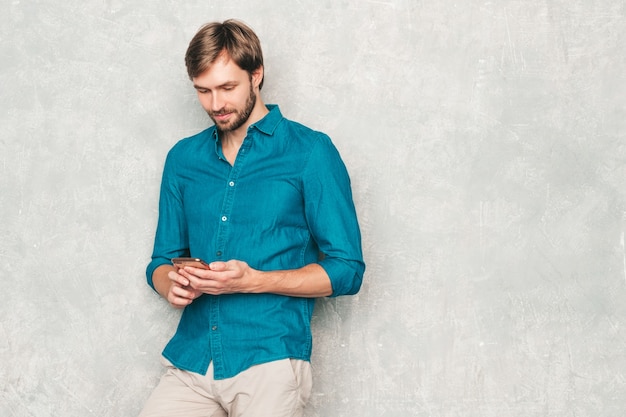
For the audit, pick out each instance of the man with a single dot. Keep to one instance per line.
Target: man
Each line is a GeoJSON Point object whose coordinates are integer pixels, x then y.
{"type": "Point", "coordinates": [267, 203]}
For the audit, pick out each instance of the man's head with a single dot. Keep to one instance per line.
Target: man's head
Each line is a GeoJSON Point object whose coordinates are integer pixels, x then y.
{"type": "Point", "coordinates": [232, 37]}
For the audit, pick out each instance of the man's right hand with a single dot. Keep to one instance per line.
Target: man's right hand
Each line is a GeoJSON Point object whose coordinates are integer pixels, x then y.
{"type": "Point", "coordinates": [174, 287]}
{"type": "Point", "coordinates": [180, 294]}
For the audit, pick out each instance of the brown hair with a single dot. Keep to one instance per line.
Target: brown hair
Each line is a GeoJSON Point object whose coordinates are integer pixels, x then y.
{"type": "Point", "coordinates": [233, 37]}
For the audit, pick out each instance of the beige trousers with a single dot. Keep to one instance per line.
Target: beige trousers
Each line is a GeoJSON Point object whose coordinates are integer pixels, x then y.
{"type": "Point", "coordinates": [274, 389]}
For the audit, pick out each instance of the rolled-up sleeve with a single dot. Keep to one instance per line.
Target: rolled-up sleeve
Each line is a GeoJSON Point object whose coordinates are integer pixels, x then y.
{"type": "Point", "coordinates": [332, 218]}
{"type": "Point", "coordinates": [171, 239]}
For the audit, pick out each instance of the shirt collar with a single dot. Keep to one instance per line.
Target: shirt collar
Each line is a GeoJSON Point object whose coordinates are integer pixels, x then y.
{"type": "Point", "coordinates": [271, 120]}
{"type": "Point", "coordinates": [266, 125]}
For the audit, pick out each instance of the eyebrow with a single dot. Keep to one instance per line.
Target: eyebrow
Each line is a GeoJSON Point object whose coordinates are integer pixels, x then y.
{"type": "Point", "coordinates": [226, 84]}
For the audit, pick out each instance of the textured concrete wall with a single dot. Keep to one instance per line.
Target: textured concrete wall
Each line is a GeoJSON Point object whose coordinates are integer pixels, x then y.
{"type": "Point", "coordinates": [487, 146]}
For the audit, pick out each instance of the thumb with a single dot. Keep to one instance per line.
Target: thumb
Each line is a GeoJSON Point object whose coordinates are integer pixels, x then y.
{"type": "Point", "coordinates": [218, 266]}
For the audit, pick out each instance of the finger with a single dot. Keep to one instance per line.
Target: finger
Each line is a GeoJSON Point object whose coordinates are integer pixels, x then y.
{"type": "Point", "coordinates": [178, 278]}
{"type": "Point", "coordinates": [180, 296]}
{"type": "Point", "coordinates": [218, 266]}
{"type": "Point", "coordinates": [196, 272]}
{"type": "Point", "coordinates": [178, 302]}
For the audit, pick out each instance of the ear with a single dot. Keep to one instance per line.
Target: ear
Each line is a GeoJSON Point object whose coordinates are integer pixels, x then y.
{"type": "Point", "coordinates": [257, 76]}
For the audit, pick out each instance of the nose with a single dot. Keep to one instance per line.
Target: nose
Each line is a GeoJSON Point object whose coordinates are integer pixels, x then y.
{"type": "Point", "coordinates": [217, 102]}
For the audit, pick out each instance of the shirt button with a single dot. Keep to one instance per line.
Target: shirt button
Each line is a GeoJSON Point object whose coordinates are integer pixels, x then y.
{"type": "Point", "coordinates": [232, 183]}
{"type": "Point", "coordinates": [218, 253]}
{"type": "Point", "coordinates": [214, 328]}
{"type": "Point", "coordinates": [224, 218]}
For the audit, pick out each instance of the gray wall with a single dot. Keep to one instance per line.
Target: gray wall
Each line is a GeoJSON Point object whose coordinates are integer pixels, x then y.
{"type": "Point", "coordinates": [486, 143]}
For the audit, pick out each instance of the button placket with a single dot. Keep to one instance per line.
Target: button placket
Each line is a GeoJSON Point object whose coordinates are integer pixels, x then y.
{"type": "Point", "coordinates": [222, 238]}
{"type": "Point", "coordinates": [229, 197]}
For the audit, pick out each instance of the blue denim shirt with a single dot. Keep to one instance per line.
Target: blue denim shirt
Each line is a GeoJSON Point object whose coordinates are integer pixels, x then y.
{"type": "Point", "coordinates": [285, 203]}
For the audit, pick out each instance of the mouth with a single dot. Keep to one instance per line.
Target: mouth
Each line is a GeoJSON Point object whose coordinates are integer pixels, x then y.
{"type": "Point", "coordinates": [221, 117]}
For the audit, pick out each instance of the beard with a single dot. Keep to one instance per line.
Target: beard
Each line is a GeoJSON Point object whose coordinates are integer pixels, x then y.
{"type": "Point", "coordinates": [241, 115]}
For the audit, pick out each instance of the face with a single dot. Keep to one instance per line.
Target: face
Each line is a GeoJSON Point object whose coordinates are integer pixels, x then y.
{"type": "Point", "coordinates": [227, 94]}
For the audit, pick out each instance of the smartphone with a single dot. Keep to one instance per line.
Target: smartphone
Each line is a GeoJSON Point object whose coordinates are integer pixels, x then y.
{"type": "Point", "coordinates": [195, 262]}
